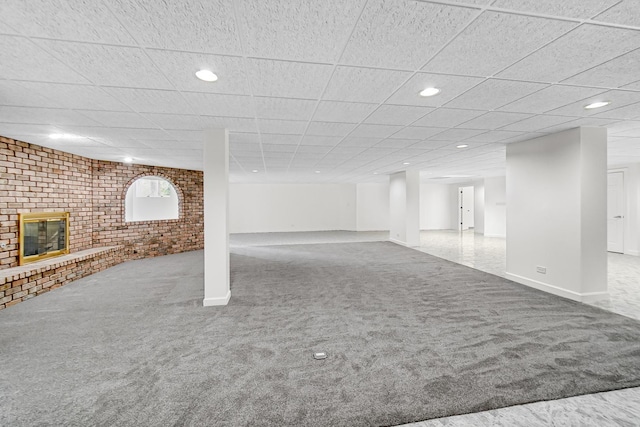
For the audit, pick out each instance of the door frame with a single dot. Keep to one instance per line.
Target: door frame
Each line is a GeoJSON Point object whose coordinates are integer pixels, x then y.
{"type": "Point", "coordinates": [625, 206]}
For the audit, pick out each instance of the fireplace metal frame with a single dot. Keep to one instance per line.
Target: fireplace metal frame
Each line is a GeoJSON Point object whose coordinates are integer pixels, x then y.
{"type": "Point", "coordinates": [31, 217]}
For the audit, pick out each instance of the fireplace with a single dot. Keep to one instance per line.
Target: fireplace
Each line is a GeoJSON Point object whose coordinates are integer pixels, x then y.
{"type": "Point", "coordinates": [43, 235]}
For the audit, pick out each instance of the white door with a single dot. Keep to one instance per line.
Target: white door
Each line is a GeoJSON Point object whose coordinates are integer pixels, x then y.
{"type": "Point", "coordinates": [466, 208]}
{"type": "Point", "coordinates": [615, 212]}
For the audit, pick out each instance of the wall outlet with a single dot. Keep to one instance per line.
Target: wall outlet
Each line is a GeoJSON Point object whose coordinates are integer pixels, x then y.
{"type": "Point", "coordinates": [541, 270]}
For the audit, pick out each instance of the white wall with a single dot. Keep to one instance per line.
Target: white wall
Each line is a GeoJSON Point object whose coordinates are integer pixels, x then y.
{"type": "Point", "coordinates": [435, 207]}
{"type": "Point", "coordinates": [632, 207]}
{"type": "Point", "coordinates": [404, 208]}
{"type": "Point", "coordinates": [262, 208]}
{"type": "Point", "coordinates": [372, 212]}
{"type": "Point", "coordinates": [479, 207]}
{"type": "Point", "coordinates": [495, 209]}
{"type": "Point", "coordinates": [556, 216]}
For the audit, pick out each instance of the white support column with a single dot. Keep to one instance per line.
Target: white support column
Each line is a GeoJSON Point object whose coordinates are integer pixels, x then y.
{"type": "Point", "coordinates": [556, 213]}
{"type": "Point", "coordinates": [404, 208]}
{"type": "Point", "coordinates": [216, 202]}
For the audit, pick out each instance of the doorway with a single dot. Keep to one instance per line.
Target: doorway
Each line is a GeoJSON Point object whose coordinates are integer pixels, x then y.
{"type": "Point", "coordinates": [615, 212]}
{"type": "Point", "coordinates": [466, 212]}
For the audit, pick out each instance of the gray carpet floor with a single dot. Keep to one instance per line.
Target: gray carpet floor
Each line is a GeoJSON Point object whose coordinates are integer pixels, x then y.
{"type": "Point", "coordinates": [409, 337]}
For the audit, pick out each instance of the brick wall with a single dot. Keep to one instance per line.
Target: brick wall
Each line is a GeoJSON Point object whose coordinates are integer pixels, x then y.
{"type": "Point", "coordinates": [35, 179]}
{"type": "Point", "coordinates": [143, 239]}
{"type": "Point", "coordinates": [19, 286]}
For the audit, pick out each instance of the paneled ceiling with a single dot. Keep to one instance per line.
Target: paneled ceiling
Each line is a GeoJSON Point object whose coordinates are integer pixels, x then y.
{"type": "Point", "coordinates": [319, 90]}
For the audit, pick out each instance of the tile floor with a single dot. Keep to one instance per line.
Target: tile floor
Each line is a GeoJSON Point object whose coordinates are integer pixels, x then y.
{"type": "Point", "coordinates": [614, 408]}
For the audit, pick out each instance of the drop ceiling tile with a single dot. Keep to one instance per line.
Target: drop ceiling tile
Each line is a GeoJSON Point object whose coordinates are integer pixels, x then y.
{"type": "Point", "coordinates": [447, 117]}
{"type": "Point", "coordinates": [517, 36]}
{"type": "Point", "coordinates": [494, 120]}
{"type": "Point", "coordinates": [175, 121]}
{"type": "Point", "coordinates": [22, 59]}
{"type": "Point", "coordinates": [312, 149]}
{"type": "Point", "coordinates": [173, 144]}
{"type": "Point", "coordinates": [623, 126]}
{"type": "Point", "coordinates": [44, 116]}
{"type": "Point", "coordinates": [583, 9]}
{"type": "Point", "coordinates": [627, 112]}
{"type": "Point", "coordinates": [180, 69]}
{"type": "Point", "coordinates": [275, 148]}
{"type": "Point", "coordinates": [360, 142]}
{"type": "Point", "coordinates": [187, 135]}
{"type": "Point", "coordinates": [450, 86]}
{"type": "Point", "coordinates": [287, 78]}
{"type": "Point", "coordinates": [586, 121]}
{"type": "Point", "coordinates": [456, 134]}
{"type": "Point", "coordinates": [189, 25]}
{"type": "Point", "coordinates": [108, 65]}
{"type": "Point", "coordinates": [617, 72]}
{"type": "Point", "coordinates": [320, 140]}
{"type": "Point", "coordinates": [119, 119]}
{"type": "Point", "coordinates": [626, 13]}
{"type": "Point", "coordinates": [14, 94]}
{"type": "Point", "coordinates": [282, 126]}
{"type": "Point", "coordinates": [401, 34]}
{"type": "Point", "coordinates": [64, 20]}
{"type": "Point", "coordinates": [492, 94]}
{"type": "Point", "coordinates": [304, 30]}
{"type": "Point", "coordinates": [347, 112]}
{"type": "Point", "coordinates": [111, 136]}
{"type": "Point", "coordinates": [550, 98]}
{"type": "Point", "coordinates": [344, 150]}
{"type": "Point", "coordinates": [240, 148]}
{"type": "Point", "coordinates": [574, 53]}
{"type": "Point", "coordinates": [363, 84]}
{"type": "Point", "coordinates": [418, 132]}
{"type": "Point", "coordinates": [233, 124]}
{"type": "Point", "coordinates": [493, 136]}
{"type": "Point", "coordinates": [618, 98]}
{"type": "Point", "coordinates": [375, 131]}
{"type": "Point", "coordinates": [10, 129]}
{"type": "Point", "coordinates": [75, 96]}
{"type": "Point", "coordinates": [397, 114]}
{"type": "Point", "coordinates": [243, 138]}
{"type": "Point", "coordinates": [151, 101]}
{"type": "Point", "coordinates": [281, 139]}
{"type": "Point", "coordinates": [330, 128]}
{"type": "Point", "coordinates": [396, 143]}
{"type": "Point", "coordinates": [284, 108]}
{"type": "Point", "coordinates": [213, 104]}
{"type": "Point", "coordinates": [536, 123]}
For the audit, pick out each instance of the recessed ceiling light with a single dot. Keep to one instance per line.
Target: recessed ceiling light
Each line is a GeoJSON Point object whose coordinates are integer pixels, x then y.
{"type": "Point", "coordinates": [406, 163]}
{"type": "Point", "coordinates": [206, 75]}
{"type": "Point", "coordinates": [597, 105]}
{"type": "Point", "coordinates": [430, 91]}
{"type": "Point", "coordinates": [255, 171]}
{"type": "Point", "coordinates": [375, 173]}
{"type": "Point", "coordinates": [462, 146]}
{"type": "Point", "coordinates": [128, 160]}
{"type": "Point", "coordinates": [317, 171]}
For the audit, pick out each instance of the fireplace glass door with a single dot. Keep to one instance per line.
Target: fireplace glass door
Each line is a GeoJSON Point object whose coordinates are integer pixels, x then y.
{"type": "Point", "coordinates": [43, 235]}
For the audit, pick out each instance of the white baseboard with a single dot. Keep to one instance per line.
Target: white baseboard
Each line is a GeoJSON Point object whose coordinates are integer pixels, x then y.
{"type": "Point", "coordinates": [502, 236]}
{"type": "Point", "coordinates": [406, 245]}
{"type": "Point", "coordinates": [576, 296]}
{"type": "Point", "coordinates": [634, 253]}
{"type": "Point", "coordinates": [208, 302]}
